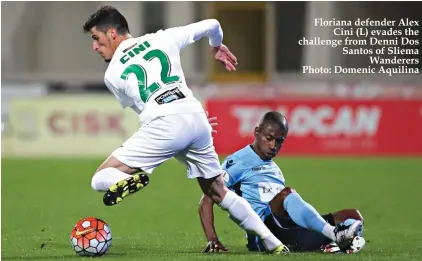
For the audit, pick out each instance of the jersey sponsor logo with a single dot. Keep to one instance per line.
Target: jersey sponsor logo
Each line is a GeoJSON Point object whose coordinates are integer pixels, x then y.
{"type": "Point", "coordinates": [229, 163]}
{"type": "Point", "coordinates": [259, 168]}
{"type": "Point", "coordinates": [268, 190]}
{"type": "Point", "coordinates": [169, 96]}
{"type": "Point", "coordinates": [322, 121]}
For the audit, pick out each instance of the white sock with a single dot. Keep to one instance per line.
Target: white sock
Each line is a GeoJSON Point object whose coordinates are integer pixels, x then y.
{"type": "Point", "coordinates": [328, 231]}
{"type": "Point", "coordinates": [242, 213]}
{"type": "Point", "coordinates": [104, 178]}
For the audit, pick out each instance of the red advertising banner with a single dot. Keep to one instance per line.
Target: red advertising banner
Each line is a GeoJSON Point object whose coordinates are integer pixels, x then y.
{"type": "Point", "coordinates": [325, 127]}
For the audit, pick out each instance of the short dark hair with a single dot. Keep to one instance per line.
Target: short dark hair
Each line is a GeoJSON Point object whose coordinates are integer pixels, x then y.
{"type": "Point", "coordinates": [277, 118]}
{"type": "Point", "coordinates": [105, 18]}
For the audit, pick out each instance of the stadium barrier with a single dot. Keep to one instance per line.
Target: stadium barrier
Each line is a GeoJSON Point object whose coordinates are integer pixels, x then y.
{"type": "Point", "coordinates": [94, 125]}
{"type": "Point", "coordinates": [325, 126]}
{"type": "Point", "coordinates": [67, 125]}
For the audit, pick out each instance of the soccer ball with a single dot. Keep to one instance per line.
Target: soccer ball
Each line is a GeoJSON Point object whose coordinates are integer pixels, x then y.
{"type": "Point", "coordinates": [90, 237]}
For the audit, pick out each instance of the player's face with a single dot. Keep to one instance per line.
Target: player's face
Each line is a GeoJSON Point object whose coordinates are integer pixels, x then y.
{"type": "Point", "coordinates": [104, 43]}
{"type": "Point", "coordinates": [268, 140]}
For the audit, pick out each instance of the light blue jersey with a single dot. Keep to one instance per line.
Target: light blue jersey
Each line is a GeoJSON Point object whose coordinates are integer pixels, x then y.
{"type": "Point", "coordinates": [256, 180]}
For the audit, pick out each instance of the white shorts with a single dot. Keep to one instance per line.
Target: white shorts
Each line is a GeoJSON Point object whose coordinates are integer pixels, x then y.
{"type": "Point", "coordinates": [187, 137]}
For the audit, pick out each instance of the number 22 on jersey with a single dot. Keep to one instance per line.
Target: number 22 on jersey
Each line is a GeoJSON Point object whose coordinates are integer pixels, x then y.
{"type": "Point", "coordinates": [140, 73]}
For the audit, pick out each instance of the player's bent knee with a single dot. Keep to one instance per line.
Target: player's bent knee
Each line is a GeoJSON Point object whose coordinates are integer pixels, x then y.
{"type": "Point", "coordinates": [218, 193]}
{"type": "Point", "coordinates": [94, 181]}
{"type": "Point", "coordinates": [213, 188]}
{"type": "Point", "coordinates": [97, 182]}
{"type": "Point", "coordinates": [112, 162]}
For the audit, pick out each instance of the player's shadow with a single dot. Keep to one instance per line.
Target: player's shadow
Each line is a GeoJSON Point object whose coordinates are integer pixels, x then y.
{"type": "Point", "coordinates": [58, 257]}
{"type": "Point", "coordinates": [229, 253]}
{"type": "Point", "coordinates": [40, 254]}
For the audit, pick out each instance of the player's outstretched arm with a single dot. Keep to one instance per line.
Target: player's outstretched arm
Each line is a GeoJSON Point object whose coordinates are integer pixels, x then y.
{"type": "Point", "coordinates": [188, 34]}
{"type": "Point", "coordinates": [206, 214]}
{"type": "Point", "coordinates": [211, 29]}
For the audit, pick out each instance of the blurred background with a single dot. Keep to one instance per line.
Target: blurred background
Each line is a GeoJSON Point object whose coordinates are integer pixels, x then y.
{"type": "Point", "coordinates": [54, 101]}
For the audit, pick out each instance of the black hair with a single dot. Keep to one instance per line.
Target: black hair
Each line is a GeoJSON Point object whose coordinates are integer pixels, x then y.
{"type": "Point", "coordinates": [277, 118]}
{"type": "Point", "coordinates": [105, 18]}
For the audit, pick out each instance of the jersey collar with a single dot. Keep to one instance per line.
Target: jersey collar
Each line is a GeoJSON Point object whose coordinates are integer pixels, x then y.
{"type": "Point", "coordinates": [256, 157]}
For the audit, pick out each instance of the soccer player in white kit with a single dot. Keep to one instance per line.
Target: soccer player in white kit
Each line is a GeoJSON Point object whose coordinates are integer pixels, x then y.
{"type": "Point", "coordinates": [145, 74]}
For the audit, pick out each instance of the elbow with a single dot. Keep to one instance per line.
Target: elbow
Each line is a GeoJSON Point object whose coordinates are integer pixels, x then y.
{"type": "Point", "coordinates": [214, 27]}
{"type": "Point", "coordinates": [214, 23]}
{"type": "Point", "coordinates": [214, 32]}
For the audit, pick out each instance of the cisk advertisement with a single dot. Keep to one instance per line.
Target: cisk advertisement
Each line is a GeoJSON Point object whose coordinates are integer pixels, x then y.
{"type": "Point", "coordinates": [70, 125]}
{"type": "Point", "coordinates": [325, 127]}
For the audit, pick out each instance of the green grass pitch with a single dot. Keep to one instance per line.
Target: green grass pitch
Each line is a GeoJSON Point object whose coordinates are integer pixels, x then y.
{"type": "Point", "coordinates": [43, 198]}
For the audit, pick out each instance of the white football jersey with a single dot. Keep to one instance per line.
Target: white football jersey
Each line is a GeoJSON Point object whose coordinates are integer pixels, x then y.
{"type": "Point", "coordinates": [145, 73]}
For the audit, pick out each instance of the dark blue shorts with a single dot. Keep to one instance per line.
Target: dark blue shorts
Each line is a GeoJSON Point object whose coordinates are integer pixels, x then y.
{"type": "Point", "coordinates": [297, 239]}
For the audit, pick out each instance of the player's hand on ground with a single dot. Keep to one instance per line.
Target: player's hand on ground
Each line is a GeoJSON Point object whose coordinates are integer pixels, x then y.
{"type": "Point", "coordinates": [214, 246]}
{"type": "Point", "coordinates": [223, 55]}
{"type": "Point", "coordinates": [213, 122]}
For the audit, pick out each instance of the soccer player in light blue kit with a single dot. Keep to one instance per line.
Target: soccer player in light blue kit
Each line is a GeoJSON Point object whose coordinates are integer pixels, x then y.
{"type": "Point", "coordinates": [251, 173]}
